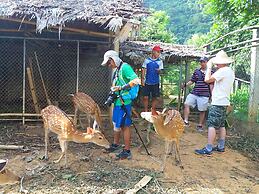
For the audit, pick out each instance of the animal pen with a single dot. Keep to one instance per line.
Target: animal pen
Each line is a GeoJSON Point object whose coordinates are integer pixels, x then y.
{"type": "Point", "coordinates": [49, 52]}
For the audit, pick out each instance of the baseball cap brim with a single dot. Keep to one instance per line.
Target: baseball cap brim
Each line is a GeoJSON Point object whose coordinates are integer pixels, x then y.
{"type": "Point", "coordinates": [105, 60]}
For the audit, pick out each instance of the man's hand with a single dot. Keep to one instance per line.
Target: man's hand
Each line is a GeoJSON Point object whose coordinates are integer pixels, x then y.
{"type": "Point", "coordinates": [115, 88]}
{"type": "Point", "coordinates": [210, 64]}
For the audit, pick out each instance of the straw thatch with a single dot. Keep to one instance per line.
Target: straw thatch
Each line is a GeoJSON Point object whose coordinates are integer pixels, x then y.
{"type": "Point", "coordinates": [49, 13]}
{"type": "Point", "coordinates": [137, 51]}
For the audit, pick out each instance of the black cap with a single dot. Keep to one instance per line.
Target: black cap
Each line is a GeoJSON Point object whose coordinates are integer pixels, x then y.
{"type": "Point", "coordinates": [203, 59]}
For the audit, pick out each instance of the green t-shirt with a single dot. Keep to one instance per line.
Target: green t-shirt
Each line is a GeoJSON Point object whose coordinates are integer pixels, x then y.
{"type": "Point", "coordinates": [125, 75]}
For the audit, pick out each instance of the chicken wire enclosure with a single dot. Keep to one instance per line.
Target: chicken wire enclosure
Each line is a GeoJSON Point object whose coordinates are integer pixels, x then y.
{"type": "Point", "coordinates": [63, 67]}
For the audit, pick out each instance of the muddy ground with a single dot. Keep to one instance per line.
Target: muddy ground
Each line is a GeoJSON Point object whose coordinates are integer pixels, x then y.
{"type": "Point", "coordinates": [92, 171]}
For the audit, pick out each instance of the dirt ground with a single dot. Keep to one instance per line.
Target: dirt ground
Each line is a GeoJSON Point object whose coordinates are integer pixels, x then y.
{"type": "Point", "coordinates": [92, 171]}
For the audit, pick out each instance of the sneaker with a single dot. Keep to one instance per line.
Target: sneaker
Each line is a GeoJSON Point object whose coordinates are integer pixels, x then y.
{"type": "Point", "coordinates": [125, 154]}
{"type": "Point", "coordinates": [113, 147]}
{"type": "Point", "coordinates": [203, 151]}
{"type": "Point", "coordinates": [217, 149]}
{"type": "Point", "coordinates": [186, 124]}
{"type": "Point", "coordinates": [199, 128]}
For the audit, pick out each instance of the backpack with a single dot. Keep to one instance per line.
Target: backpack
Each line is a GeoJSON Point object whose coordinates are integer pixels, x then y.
{"type": "Point", "coordinates": [132, 92]}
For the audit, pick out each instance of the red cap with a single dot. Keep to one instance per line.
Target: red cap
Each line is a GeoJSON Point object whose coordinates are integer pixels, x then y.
{"type": "Point", "coordinates": [157, 48]}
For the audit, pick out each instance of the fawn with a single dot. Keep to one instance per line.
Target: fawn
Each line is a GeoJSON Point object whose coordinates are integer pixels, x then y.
{"type": "Point", "coordinates": [86, 104]}
{"type": "Point", "coordinates": [168, 125]}
{"type": "Point", "coordinates": [6, 176]}
{"type": "Point", "coordinates": [57, 121]}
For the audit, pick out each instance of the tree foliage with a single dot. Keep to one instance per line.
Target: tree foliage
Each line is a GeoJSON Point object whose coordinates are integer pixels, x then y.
{"type": "Point", "coordinates": [186, 17]}
{"type": "Point", "coordinates": [155, 28]}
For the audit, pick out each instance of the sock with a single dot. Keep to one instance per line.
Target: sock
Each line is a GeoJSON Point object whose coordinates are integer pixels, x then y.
{"type": "Point", "coordinates": [186, 121]}
{"type": "Point", "coordinates": [221, 143]}
{"type": "Point", "coordinates": [128, 151]}
{"type": "Point", "coordinates": [209, 147]}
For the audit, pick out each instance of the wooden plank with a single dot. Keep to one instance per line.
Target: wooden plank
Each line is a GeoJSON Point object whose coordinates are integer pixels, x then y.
{"type": "Point", "coordinates": [32, 88]}
{"type": "Point", "coordinates": [11, 147]}
{"type": "Point", "coordinates": [254, 80]}
{"type": "Point", "coordinates": [143, 182]}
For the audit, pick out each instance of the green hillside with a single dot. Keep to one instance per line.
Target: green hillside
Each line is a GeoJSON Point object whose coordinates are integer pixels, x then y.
{"type": "Point", "coordinates": [186, 17]}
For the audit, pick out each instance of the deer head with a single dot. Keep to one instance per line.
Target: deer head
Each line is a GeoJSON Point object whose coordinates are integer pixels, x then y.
{"type": "Point", "coordinates": [95, 136]}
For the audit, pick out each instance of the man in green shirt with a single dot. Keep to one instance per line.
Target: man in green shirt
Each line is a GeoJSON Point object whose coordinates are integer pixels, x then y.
{"type": "Point", "coordinates": [124, 79]}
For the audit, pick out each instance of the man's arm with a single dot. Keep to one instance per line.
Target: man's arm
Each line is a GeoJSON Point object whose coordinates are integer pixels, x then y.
{"type": "Point", "coordinates": [208, 77]}
{"type": "Point", "coordinates": [143, 74]}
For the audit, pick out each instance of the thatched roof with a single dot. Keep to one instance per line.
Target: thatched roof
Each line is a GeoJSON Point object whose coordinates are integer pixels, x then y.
{"type": "Point", "coordinates": [48, 13]}
{"type": "Point", "coordinates": [137, 51]}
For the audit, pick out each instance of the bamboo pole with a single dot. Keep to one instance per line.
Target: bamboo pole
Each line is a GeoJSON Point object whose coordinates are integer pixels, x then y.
{"type": "Point", "coordinates": [42, 81]}
{"type": "Point", "coordinates": [32, 88]}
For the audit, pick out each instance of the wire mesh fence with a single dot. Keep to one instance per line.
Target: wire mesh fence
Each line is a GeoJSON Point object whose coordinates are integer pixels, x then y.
{"type": "Point", "coordinates": [35, 72]}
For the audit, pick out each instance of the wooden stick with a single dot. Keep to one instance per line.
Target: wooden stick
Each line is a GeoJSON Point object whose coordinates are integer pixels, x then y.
{"type": "Point", "coordinates": [143, 182]}
{"type": "Point", "coordinates": [32, 88]}
{"type": "Point", "coordinates": [11, 147]}
{"type": "Point", "coordinates": [42, 81]}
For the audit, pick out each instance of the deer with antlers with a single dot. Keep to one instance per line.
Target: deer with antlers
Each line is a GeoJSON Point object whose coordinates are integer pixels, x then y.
{"type": "Point", "coordinates": [84, 103]}
{"type": "Point", "coordinates": [57, 121]}
{"type": "Point", "coordinates": [168, 125]}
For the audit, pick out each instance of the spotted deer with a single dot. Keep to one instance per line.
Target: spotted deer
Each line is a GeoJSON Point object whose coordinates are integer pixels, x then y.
{"type": "Point", "coordinates": [168, 125]}
{"type": "Point", "coordinates": [86, 104]}
{"type": "Point", "coordinates": [57, 121]}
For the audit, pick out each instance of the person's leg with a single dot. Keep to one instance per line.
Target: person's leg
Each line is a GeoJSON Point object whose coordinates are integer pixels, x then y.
{"type": "Point", "coordinates": [126, 122]}
{"type": "Point", "coordinates": [154, 102]}
{"type": "Point", "coordinates": [189, 102]}
{"type": "Point", "coordinates": [202, 103]}
{"type": "Point", "coordinates": [222, 137]}
{"type": "Point", "coordinates": [212, 122]}
{"type": "Point", "coordinates": [202, 118]}
{"type": "Point", "coordinates": [127, 135]}
{"type": "Point", "coordinates": [211, 138]}
{"type": "Point", "coordinates": [155, 93]}
{"type": "Point", "coordinates": [186, 112]}
{"type": "Point", "coordinates": [145, 102]}
{"type": "Point", "coordinates": [145, 97]}
{"type": "Point", "coordinates": [116, 137]}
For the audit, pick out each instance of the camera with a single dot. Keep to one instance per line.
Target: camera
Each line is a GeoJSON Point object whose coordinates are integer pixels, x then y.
{"type": "Point", "coordinates": [111, 98]}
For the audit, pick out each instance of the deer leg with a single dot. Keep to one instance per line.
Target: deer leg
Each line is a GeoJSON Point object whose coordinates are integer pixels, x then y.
{"type": "Point", "coordinates": [167, 151]}
{"type": "Point", "coordinates": [75, 116]}
{"type": "Point", "coordinates": [148, 133]}
{"type": "Point", "coordinates": [62, 144]}
{"type": "Point", "coordinates": [178, 153]}
{"type": "Point", "coordinates": [46, 142]}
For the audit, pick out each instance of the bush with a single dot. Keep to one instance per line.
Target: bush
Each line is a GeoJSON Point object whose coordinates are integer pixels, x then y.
{"type": "Point", "coordinates": [240, 100]}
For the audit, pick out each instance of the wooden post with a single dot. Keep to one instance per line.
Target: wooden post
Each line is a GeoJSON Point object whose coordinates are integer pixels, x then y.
{"type": "Point", "coordinates": [254, 82]}
{"type": "Point", "coordinates": [32, 88]}
{"type": "Point", "coordinates": [179, 85]}
{"type": "Point", "coordinates": [116, 47]}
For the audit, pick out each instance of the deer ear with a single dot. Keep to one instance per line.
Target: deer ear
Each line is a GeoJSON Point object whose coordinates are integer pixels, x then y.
{"type": "Point", "coordinates": [90, 130]}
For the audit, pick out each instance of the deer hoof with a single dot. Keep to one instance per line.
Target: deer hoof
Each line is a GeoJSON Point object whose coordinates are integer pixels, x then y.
{"type": "Point", "coordinates": [44, 158]}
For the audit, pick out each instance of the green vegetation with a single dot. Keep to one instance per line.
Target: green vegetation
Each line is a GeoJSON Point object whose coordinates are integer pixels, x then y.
{"type": "Point", "coordinates": [186, 17]}
{"type": "Point", "coordinates": [155, 28]}
{"type": "Point", "coordinates": [240, 102]}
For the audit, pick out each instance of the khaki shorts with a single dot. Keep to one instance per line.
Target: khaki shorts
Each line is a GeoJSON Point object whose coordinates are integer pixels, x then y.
{"type": "Point", "coordinates": [200, 101]}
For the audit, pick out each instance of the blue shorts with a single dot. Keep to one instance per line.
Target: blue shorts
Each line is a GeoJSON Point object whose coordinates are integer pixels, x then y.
{"type": "Point", "coordinates": [118, 114]}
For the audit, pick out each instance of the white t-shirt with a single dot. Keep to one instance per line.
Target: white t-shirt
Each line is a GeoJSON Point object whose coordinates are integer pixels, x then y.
{"type": "Point", "coordinates": [225, 77]}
